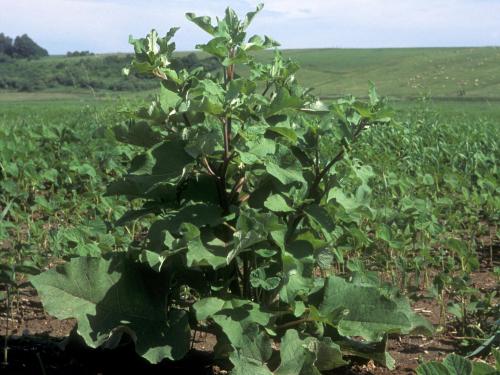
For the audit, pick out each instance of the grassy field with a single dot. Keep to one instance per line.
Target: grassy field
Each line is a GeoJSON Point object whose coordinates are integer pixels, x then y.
{"type": "Point", "coordinates": [412, 72]}
{"type": "Point", "coordinates": [460, 81]}
{"type": "Point", "coordinates": [451, 73]}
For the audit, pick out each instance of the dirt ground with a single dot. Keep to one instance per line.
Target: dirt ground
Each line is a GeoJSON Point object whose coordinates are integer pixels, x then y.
{"type": "Point", "coordinates": [35, 343]}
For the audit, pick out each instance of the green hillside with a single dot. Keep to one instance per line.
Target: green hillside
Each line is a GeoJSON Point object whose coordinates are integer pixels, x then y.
{"type": "Point", "coordinates": [81, 74]}
{"type": "Point", "coordinates": [452, 73]}
{"type": "Point", "coordinates": [442, 72]}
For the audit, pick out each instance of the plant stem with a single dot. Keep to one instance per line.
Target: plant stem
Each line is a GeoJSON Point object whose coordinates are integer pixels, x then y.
{"type": "Point", "coordinates": [186, 120]}
{"type": "Point", "coordinates": [208, 167]}
{"type": "Point", "coordinates": [313, 191]}
{"type": "Point", "coordinates": [42, 367]}
{"type": "Point", "coordinates": [246, 277]}
{"type": "Point", "coordinates": [293, 323]}
{"type": "Point", "coordinates": [315, 185]}
{"type": "Point", "coordinates": [6, 338]}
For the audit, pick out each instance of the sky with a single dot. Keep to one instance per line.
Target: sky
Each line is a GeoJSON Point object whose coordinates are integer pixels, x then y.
{"type": "Point", "coordinates": [103, 26]}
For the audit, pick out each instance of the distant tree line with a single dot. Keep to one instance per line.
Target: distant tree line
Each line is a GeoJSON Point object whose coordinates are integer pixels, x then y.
{"type": "Point", "coordinates": [79, 53]}
{"type": "Point", "coordinates": [21, 47]}
{"type": "Point", "coordinates": [96, 72]}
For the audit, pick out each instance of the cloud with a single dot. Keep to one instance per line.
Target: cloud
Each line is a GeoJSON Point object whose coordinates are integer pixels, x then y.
{"type": "Point", "coordinates": [104, 25]}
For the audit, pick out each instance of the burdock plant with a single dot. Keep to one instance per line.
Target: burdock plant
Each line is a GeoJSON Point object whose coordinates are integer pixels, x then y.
{"type": "Point", "coordinates": [236, 173]}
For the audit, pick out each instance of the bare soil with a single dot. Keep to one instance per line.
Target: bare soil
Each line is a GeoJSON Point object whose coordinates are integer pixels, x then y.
{"type": "Point", "coordinates": [39, 344]}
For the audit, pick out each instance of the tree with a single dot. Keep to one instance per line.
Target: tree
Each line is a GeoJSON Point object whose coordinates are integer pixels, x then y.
{"type": "Point", "coordinates": [5, 44]}
{"type": "Point", "coordinates": [25, 47]}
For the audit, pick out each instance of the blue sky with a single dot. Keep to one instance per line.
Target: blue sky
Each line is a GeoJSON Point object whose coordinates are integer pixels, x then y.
{"type": "Point", "coordinates": [104, 25]}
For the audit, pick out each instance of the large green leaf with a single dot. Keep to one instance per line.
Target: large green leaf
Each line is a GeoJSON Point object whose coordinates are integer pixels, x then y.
{"type": "Point", "coordinates": [204, 22]}
{"type": "Point", "coordinates": [285, 132]}
{"type": "Point", "coordinates": [111, 296]}
{"type": "Point", "coordinates": [285, 176]}
{"type": "Point", "coordinates": [369, 350]}
{"type": "Point", "coordinates": [154, 173]}
{"type": "Point", "coordinates": [168, 99]}
{"type": "Point", "coordinates": [256, 349]}
{"type": "Point", "coordinates": [138, 133]}
{"type": "Point", "coordinates": [277, 203]}
{"type": "Point", "coordinates": [208, 97]}
{"type": "Point", "coordinates": [146, 186]}
{"type": "Point", "coordinates": [245, 365]}
{"type": "Point", "coordinates": [297, 356]}
{"type": "Point", "coordinates": [301, 356]}
{"type": "Point", "coordinates": [328, 355]}
{"type": "Point", "coordinates": [250, 16]}
{"type": "Point", "coordinates": [167, 159]}
{"type": "Point", "coordinates": [233, 317]}
{"type": "Point", "coordinates": [308, 355]}
{"type": "Point", "coordinates": [321, 219]}
{"type": "Point", "coordinates": [295, 283]}
{"type": "Point", "coordinates": [198, 214]}
{"type": "Point", "coordinates": [283, 101]}
{"type": "Point", "coordinates": [369, 313]}
{"type": "Point", "coordinates": [203, 253]}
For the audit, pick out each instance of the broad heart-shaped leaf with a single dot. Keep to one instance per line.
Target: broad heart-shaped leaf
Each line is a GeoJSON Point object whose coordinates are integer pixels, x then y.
{"type": "Point", "coordinates": [370, 313]}
{"type": "Point", "coordinates": [198, 214]}
{"type": "Point", "coordinates": [138, 133]}
{"type": "Point", "coordinates": [153, 174]}
{"type": "Point", "coordinates": [361, 276]}
{"type": "Point", "coordinates": [328, 355]}
{"type": "Point", "coordinates": [296, 355]}
{"type": "Point", "coordinates": [200, 253]}
{"type": "Point", "coordinates": [208, 97]}
{"type": "Point", "coordinates": [369, 350]}
{"type": "Point", "coordinates": [151, 52]}
{"type": "Point", "coordinates": [419, 325]}
{"type": "Point", "coordinates": [114, 295]}
{"type": "Point", "coordinates": [167, 159]}
{"type": "Point", "coordinates": [234, 317]}
{"type": "Point", "coordinates": [294, 282]}
{"type": "Point", "coordinates": [256, 350]}
{"type": "Point", "coordinates": [307, 355]}
{"type": "Point", "coordinates": [168, 99]}
{"type": "Point", "coordinates": [147, 186]}
{"type": "Point", "coordinates": [244, 365]}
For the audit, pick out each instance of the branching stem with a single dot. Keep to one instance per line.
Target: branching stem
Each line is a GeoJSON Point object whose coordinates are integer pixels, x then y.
{"type": "Point", "coordinates": [293, 323]}
{"type": "Point", "coordinates": [314, 190]}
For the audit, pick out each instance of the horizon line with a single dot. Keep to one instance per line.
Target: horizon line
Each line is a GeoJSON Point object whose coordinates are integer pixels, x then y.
{"type": "Point", "coordinates": [300, 49]}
